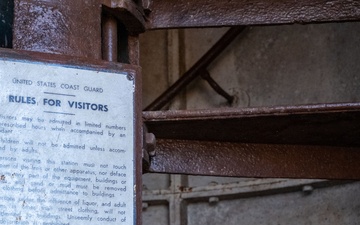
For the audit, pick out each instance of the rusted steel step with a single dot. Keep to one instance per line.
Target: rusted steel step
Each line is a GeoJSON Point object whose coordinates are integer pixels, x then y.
{"type": "Point", "coordinates": [255, 160]}
{"type": "Point", "coordinates": [310, 141]}
{"type": "Point", "coordinates": [321, 124]}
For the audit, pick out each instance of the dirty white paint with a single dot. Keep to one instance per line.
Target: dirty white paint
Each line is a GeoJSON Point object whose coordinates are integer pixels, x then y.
{"type": "Point", "coordinates": [66, 145]}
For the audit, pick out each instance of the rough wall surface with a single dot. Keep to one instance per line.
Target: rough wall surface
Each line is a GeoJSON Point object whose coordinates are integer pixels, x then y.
{"type": "Point", "coordinates": [282, 65]}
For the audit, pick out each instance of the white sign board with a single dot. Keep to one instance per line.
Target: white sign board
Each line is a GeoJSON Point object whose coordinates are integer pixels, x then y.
{"type": "Point", "coordinates": [66, 145]}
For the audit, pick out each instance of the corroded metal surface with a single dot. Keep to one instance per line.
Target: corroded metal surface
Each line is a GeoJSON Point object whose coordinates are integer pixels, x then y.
{"type": "Point", "coordinates": [240, 189]}
{"type": "Point", "coordinates": [58, 26]}
{"type": "Point", "coordinates": [255, 160]}
{"type": "Point", "coordinates": [134, 49]}
{"type": "Point", "coordinates": [210, 13]}
{"type": "Point", "coordinates": [324, 124]}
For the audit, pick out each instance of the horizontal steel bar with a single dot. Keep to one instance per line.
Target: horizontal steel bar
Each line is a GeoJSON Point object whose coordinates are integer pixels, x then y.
{"type": "Point", "coordinates": [210, 13]}
{"type": "Point", "coordinates": [322, 124]}
{"type": "Point", "coordinates": [239, 189]}
{"type": "Point", "coordinates": [255, 160]}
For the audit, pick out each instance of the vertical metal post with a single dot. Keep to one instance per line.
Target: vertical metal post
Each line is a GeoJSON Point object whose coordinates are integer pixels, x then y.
{"type": "Point", "coordinates": [6, 21]}
{"type": "Point", "coordinates": [133, 51]}
{"type": "Point", "coordinates": [109, 39]}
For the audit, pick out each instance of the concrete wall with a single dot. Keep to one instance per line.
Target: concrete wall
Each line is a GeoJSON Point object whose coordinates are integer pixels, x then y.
{"type": "Point", "coordinates": [264, 66]}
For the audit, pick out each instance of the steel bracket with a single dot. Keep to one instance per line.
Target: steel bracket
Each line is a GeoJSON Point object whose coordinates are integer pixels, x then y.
{"type": "Point", "coordinates": [148, 149]}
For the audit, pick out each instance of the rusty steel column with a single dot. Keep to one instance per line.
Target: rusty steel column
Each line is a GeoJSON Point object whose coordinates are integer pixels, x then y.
{"type": "Point", "coordinates": [64, 27]}
{"type": "Point", "coordinates": [109, 39]}
{"type": "Point", "coordinates": [134, 49]}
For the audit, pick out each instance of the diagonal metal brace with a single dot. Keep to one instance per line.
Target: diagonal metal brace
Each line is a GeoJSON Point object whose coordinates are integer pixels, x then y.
{"type": "Point", "coordinates": [196, 69]}
{"type": "Point", "coordinates": [206, 76]}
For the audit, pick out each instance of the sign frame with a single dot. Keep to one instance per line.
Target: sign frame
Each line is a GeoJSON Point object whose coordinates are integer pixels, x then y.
{"type": "Point", "coordinates": [133, 71]}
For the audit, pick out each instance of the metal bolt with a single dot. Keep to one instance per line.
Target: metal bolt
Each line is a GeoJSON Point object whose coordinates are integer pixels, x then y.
{"type": "Point", "coordinates": [145, 160]}
{"type": "Point", "coordinates": [307, 189]}
{"type": "Point", "coordinates": [213, 183]}
{"type": "Point", "coordinates": [147, 5]}
{"type": "Point", "coordinates": [150, 143]}
{"type": "Point", "coordinates": [213, 200]}
{"type": "Point", "coordinates": [130, 77]}
{"type": "Point", "coordinates": [145, 205]}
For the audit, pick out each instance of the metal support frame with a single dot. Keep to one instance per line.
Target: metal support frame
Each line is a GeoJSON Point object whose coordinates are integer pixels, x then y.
{"type": "Point", "coordinates": [284, 132]}
{"type": "Point", "coordinates": [255, 160]}
{"type": "Point", "coordinates": [257, 142]}
{"type": "Point", "coordinates": [291, 141]}
{"type": "Point", "coordinates": [178, 196]}
{"type": "Point", "coordinates": [287, 142]}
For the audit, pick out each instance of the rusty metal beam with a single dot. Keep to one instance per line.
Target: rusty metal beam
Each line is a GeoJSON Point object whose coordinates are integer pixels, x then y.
{"type": "Point", "coordinates": [211, 13]}
{"type": "Point", "coordinates": [310, 141]}
{"type": "Point", "coordinates": [322, 124]}
{"type": "Point", "coordinates": [255, 160]}
{"type": "Point", "coordinates": [241, 189]}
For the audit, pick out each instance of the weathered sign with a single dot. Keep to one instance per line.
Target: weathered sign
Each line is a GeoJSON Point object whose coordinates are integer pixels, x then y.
{"type": "Point", "coordinates": [66, 144]}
